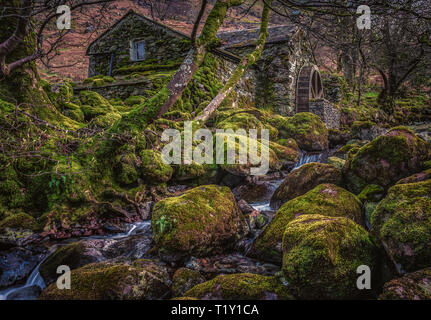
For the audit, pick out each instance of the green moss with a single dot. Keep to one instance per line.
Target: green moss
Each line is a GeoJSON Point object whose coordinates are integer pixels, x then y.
{"type": "Point", "coordinates": [153, 169]}
{"type": "Point", "coordinates": [321, 255]}
{"type": "Point", "coordinates": [105, 121]}
{"type": "Point", "coordinates": [241, 286]}
{"type": "Point", "coordinates": [73, 111]}
{"type": "Point", "coordinates": [307, 129]}
{"type": "Point", "coordinates": [336, 162]}
{"type": "Point", "coordinates": [192, 222]}
{"type": "Point", "coordinates": [412, 286]}
{"type": "Point", "coordinates": [402, 222]}
{"type": "Point", "coordinates": [109, 281]}
{"type": "Point", "coordinates": [134, 100]}
{"type": "Point", "coordinates": [387, 159]}
{"type": "Point", "coordinates": [19, 221]}
{"type": "Point", "coordinates": [427, 165]}
{"type": "Point", "coordinates": [93, 104]}
{"type": "Point", "coordinates": [126, 169]}
{"type": "Point", "coordinates": [325, 199]}
{"type": "Point", "coordinates": [70, 255]}
{"type": "Point", "coordinates": [372, 192]}
{"type": "Point", "coordinates": [303, 179]}
{"type": "Point", "coordinates": [184, 279]}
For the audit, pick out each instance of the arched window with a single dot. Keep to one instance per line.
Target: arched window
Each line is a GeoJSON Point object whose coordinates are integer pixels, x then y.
{"type": "Point", "coordinates": [137, 52]}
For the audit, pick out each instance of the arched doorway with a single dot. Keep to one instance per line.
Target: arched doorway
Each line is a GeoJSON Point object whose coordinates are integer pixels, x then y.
{"type": "Point", "coordinates": [308, 87]}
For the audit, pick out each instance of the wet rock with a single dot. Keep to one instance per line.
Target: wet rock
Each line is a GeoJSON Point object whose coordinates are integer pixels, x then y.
{"type": "Point", "coordinates": [303, 179]}
{"type": "Point", "coordinates": [255, 189]}
{"type": "Point", "coordinates": [26, 293]}
{"type": "Point", "coordinates": [84, 252]}
{"type": "Point", "coordinates": [203, 220]}
{"type": "Point", "coordinates": [242, 286]}
{"type": "Point", "coordinates": [140, 280]}
{"type": "Point", "coordinates": [402, 222]}
{"type": "Point", "coordinates": [229, 264]}
{"type": "Point", "coordinates": [16, 264]}
{"type": "Point", "coordinates": [321, 255]}
{"type": "Point", "coordinates": [245, 207]}
{"type": "Point", "coordinates": [412, 286]}
{"type": "Point", "coordinates": [184, 279]}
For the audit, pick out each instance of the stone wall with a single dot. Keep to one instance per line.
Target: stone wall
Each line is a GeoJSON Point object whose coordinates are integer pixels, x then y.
{"type": "Point", "coordinates": [327, 112]}
{"type": "Point", "coordinates": [245, 90]}
{"type": "Point", "coordinates": [276, 73]}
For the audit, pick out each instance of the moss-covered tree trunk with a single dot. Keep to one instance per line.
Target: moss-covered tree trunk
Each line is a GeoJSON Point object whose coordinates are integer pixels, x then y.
{"type": "Point", "coordinates": [245, 63]}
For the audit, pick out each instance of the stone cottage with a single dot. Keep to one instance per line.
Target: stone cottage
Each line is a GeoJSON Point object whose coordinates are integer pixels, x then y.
{"type": "Point", "coordinates": [284, 79]}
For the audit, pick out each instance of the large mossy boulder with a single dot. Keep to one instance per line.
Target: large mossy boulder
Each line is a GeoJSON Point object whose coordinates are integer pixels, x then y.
{"type": "Point", "coordinates": [203, 220]}
{"type": "Point", "coordinates": [412, 286]}
{"type": "Point", "coordinates": [395, 155]}
{"type": "Point", "coordinates": [321, 255]}
{"type": "Point", "coordinates": [241, 286]}
{"type": "Point", "coordinates": [306, 128]}
{"type": "Point", "coordinates": [141, 280]}
{"type": "Point", "coordinates": [402, 221]}
{"type": "Point", "coordinates": [303, 179]}
{"type": "Point", "coordinates": [325, 199]}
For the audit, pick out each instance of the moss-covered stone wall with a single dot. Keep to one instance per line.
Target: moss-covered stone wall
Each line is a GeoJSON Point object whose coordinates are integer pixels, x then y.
{"type": "Point", "coordinates": [161, 44]}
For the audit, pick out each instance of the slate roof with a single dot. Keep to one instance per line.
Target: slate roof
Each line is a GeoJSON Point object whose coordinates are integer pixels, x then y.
{"type": "Point", "coordinates": [229, 39]}
{"type": "Point", "coordinates": [248, 37]}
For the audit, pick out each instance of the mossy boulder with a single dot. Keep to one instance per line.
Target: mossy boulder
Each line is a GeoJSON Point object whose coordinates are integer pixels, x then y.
{"type": "Point", "coordinates": [74, 256]}
{"type": "Point", "coordinates": [402, 221]}
{"type": "Point", "coordinates": [421, 176]}
{"type": "Point", "coordinates": [412, 286]}
{"type": "Point", "coordinates": [73, 111]}
{"type": "Point", "coordinates": [288, 156]}
{"type": "Point", "coordinates": [203, 220]}
{"type": "Point", "coordinates": [21, 221]}
{"type": "Point", "coordinates": [303, 179]}
{"type": "Point", "coordinates": [126, 169]}
{"type": "Point", "coordinates": [141, 280]}
{"type": "Point", "coordinates": [321, 255]}
{"type": "Point", "coordinates": [93, 105]}
{"type": "Point", "coordinates": [153, 168]}
{"type": "Point", "coordinates": [241, 286]}
{"type": "Point", "coordinates": [395, 155]}
{"type": "Point", "coordinates": [307, 129]}
{"type": "Point", "coordinates": [184, 279]}
{"type": "Point", "coordinates": [325, 199]}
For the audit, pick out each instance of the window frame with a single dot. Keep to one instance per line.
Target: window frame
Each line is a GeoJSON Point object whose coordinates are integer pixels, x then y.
{"type": "Point", "coordinates": [134, 49]}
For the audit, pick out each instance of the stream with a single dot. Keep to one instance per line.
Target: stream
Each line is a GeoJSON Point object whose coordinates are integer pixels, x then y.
{"type": "Point", "coordinates": [34, 284]}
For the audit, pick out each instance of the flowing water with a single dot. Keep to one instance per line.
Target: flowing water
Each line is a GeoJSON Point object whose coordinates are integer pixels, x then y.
{"type": "Point", "coordinates": [305, 158]}
{"type": "Point", "coordinates": [35, 279]}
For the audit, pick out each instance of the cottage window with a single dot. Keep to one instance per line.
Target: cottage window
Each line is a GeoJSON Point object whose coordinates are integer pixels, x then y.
{"type": "Point", "coordinates": [138, 50]}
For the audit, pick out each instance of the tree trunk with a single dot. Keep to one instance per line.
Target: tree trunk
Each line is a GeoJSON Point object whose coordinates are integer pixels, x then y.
{"type": "Point", "coordinates": [245, 63]}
